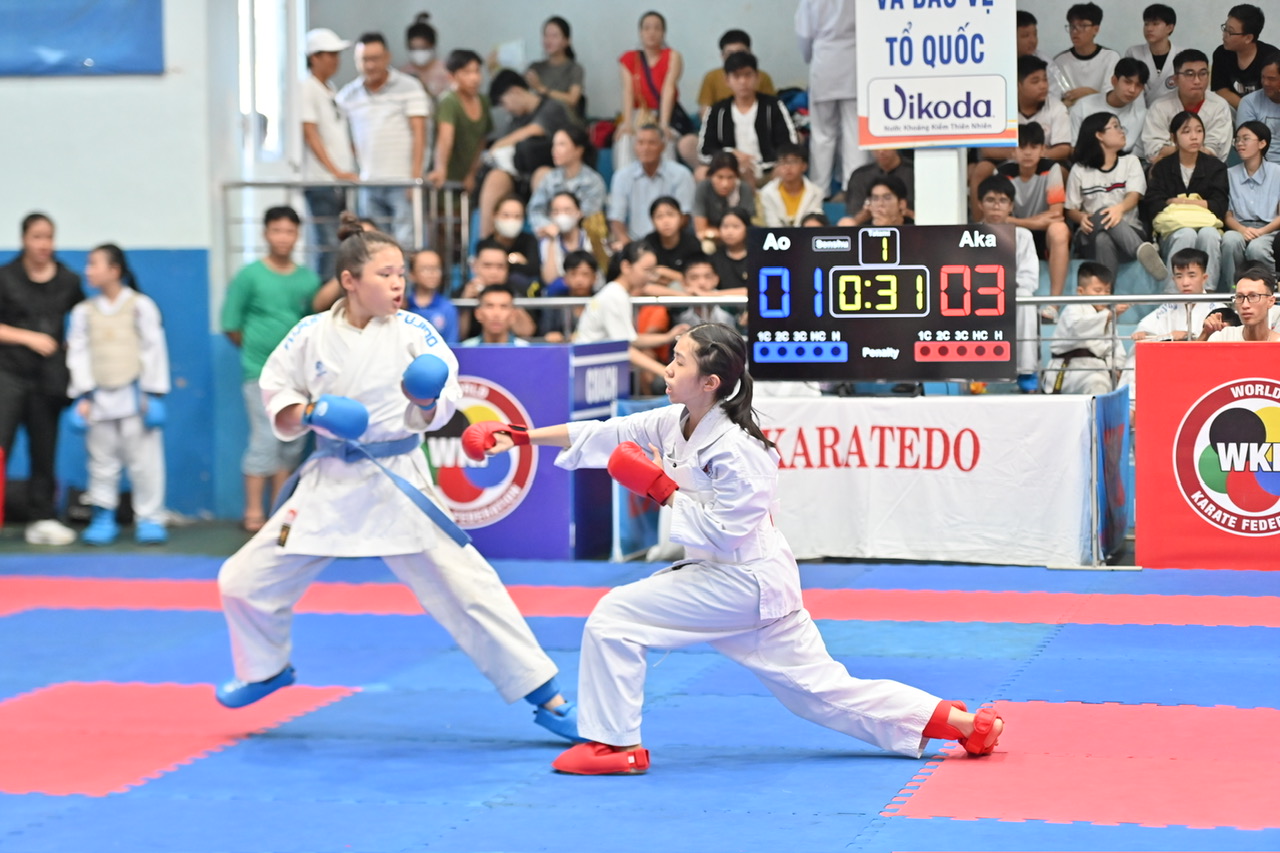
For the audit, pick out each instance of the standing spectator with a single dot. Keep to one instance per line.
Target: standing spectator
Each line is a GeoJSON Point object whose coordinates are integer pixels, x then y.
{"type": "Point", "coordinates": [722, 190]}
{"type": "Point", "coordinates": [885, 161]}
{"type": "Point", "coordinates": [1039, 195]}
{"type": "Point", "coordinates": [748, 124]}
{"type": "Point", "coordinates": [1158, 23]}
{"type": "Point", "coordinates": [388, 113]}
{"type": "Point", "coordinates": [425, 295]}
{"type": "Point", "coordinates": [790, 196]}
{"type": "Point", "coordinates": [424, 63]}
{"type": "Point", "coordinates": [1086, 67]}
{"type": "Point", "coordinates": [651, 94]}
{"type": "Point", "coordinates": [119, 364]}
{"type": "Point", "coordinates": [825, 29]}
{"type": "Point", "coordinates": [637, 186]}
{"type": "Point", "coordinates": [1191, 67]}
{"type": "Point", "coordinates": [1264, 104]}
{"type": "Point", "coordinates": [463, 120]}
{"type": "Point", "coordinates": [495, 314]}
{"type": "Point", "coordinates": [1254, 215]}
{"type": "Point", "coordinates": [36, 294]}
{"type": "Point", "coordinates": [1237, 64]}
{"type": "Point", "coordinates": [265, 300]}
{"type": "Point", "coordinates": [326, 154]}
{"type": "Point", "coordinates": [571, 174]}
{"type": "Point", "coordinates": [1124, 100]}
{"type": "Point", "coordinates": [671, 242]}
{"type": "Point", "coordinates": [559, 75]}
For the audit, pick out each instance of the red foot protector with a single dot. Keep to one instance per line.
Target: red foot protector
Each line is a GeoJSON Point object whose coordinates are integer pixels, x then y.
{"type": "Point", "coordinates": [102, 738]}
{"type": "Point", "coordinates": [1106, 764]}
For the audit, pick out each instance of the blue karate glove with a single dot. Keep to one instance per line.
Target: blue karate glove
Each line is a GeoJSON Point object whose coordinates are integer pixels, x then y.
{"type": "Point", "coordinates": [338, 416]}
{"type": "Point", "coordinates": [424, 379]}
{"type": "Point", "coordinates": [155, 414]}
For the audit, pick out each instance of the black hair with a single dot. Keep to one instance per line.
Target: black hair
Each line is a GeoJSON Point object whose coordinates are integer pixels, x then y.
{"type": "Point", "coordinates": [1088, 151]}
{"type": "Point", "coordinates": [460, 59]}
{"type": "Point", "coordinates": [1029, 64]}
{"type": "Point", "coordinates": [997, 184]}
{"type": "Point", "coordinates": [653, 14]}
{"type": "Point", "coordinates": [723, 160]}
{"type": "Point", "coordinates": [1257, 272]}
{"type": "Point", "coordinates": [115, 257]}
{"type": "Point", "coordinates": [698, 260]}
{"type": "Point", "coordinates": [735, 37]}
{"type": "Point", "coordinates": [741, 213]}
{"type": "Point", "coordinates": [630, 253]}
{"type": "Point", "coordinates": [1258, 128]}
{"type": "Point", "coordinates": [490, 243]}
{"type": "Point", "coordinates": [1160, 12]}
{"type": "Point", "coordinates": [421, 29]}
{"type": "Point", "coordinates": [569, 194]}
{"type": "Point", "coordinates": [1229, 316]}
{"type": "Point", "coordinates": [1188, 55]}
{"type": "Point", "coordinates": [372, 38]}
{"type": "Point", "coordinates": [892, 183]}
{"type": "Point", "coordinates": [790, 149]}
{"type": "Point", "coordinates": [578, 257]}
{"type": "Point", "coordinates": [1250, 17]}
{"type": "Point", "coordinates": [562, 25]}
{"type": "Point", "coordinates": [1090, 12]}
{"type": "Point", "coordinates": [497, 205]}
{"type": "Point", "coordinates": [495, 288]}
{"type": "Point", "coordinates": [412, 258]}
{"type": "Point", "coordinates": [1026, 19]}
{"type": "Point", "coordinates": [1130, 67]}
{"type": "Point", "coordinates": [1031, 133]}
{"type": "Point", "coordinates": [1176, 123]}
{"type": "Point", "coordinates": [1093, 269]}
{"type": "Point", "coordinates": [357, 245]}
{"type": "Point", "coordinates": [816, 218]}
{"type": "Point", "coordinates": [33, 219]}
{"type": "Point", "coordinates": [740, 60]}
{"type": "Point", "coordinates": [721, 352]}
{"type": "Point", "coordinates": [1184, 258]}
{"type": "Point", "coordinates": [503, 82]}
{"type": "Point", "coordinates": [669, 201]}
{"type": "Point", "coordinates": [578, 136]}
{"type": "Point", "coordinates": [275, 214]}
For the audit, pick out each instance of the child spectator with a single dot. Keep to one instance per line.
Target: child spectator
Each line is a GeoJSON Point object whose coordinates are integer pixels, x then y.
{"type": "Point", "coordinates": [1124, 100]}
{"type": "Point", "coordinates": [1254, 215]}
{"type": "Point", "coordinates": [1237, 64]}
{"type": "Point", "coordinates": [571, 174]}
{"type": "Point", "coordinates": [1254, 297]}
{"type": "Point", "coordinates": [1264, 104]}
{"type": "Point", "coordinates": [790, 195]}
{"type": "Point", "coordinates": [492, 266]}
{"type": "Point", "coordinates": [566, 234]}
{"type": "Point", "coordinates": [521, 246]}
{"type": "Point", "coordinates": [424, 64]}
{"type": "Point", "coordinates": [1039, 195]}
{"type": "Point", "coordinates": [119, 366]}
{"type": "Point", "coordinates": [750, 125]}
{"type": "Point", "coordinates": [1035, 105]}
{"type": "Point", "coordinates": [464, 120]}
{"type": "Point", "coordinates": [670, 241]}
{"type": "Point", "coordinates": [888, 202]}
{"type": "Point", "coordinates": [264, 301]}
{"type": "Point", "coordinates": [1029, 36]}
{"type": "Point", "coordinates": [425, 294]}
{"type": "Point", "coordinates": [1087, 66]}
{"type": "Point", "coordinates": [997, 196]}
{"type": "Point", "coordinates": [885, 161]}
{"type": "Point", "coordinates": [1086, 354]}
{"type": "Point", "coordinates": [815, 220]}
{"type": "Point", "coordinates": [495, 314]}
{"type": "Point", "coordinates": [1158, 22]}
{"type": "Point", "coordinates": [700, 279]}
{"type": "Point", "coordinates": [722, 190]}
{"type": "Point", "coordinates": [559, 75]}
{"type": "Point", "coordinates": [581, 275]}
{"type": "Point", "coordinates": [730, 258]}
{"type": "Point", "coordinates": [1191, 67]}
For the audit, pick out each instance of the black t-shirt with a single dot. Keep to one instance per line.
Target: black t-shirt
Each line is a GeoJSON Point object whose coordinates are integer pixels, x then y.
{"type": "Point", "coordinates": [675, 257]}
{"type": "Point", "coordinates": [732, 273]}
{"type": "Point", "coordinates": [524, 244]}
{"type": "Point", "coordinates": [38, 307]}
{"type": "Point", "coordinates": [1227, 73]}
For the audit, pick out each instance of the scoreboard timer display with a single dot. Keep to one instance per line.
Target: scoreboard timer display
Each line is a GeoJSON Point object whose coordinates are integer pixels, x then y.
{"type": "Point", "coordinates": [903, 303]}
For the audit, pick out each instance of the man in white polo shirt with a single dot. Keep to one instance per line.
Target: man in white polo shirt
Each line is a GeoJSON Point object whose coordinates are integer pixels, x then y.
{"type": "Point", "coordinates": [388, 112]}
{"type": "Point", "coordinates": [326, 153]}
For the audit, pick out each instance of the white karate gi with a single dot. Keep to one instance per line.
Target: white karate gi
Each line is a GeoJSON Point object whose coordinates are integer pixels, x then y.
{"type": "Point", "coordinates": [1160, 325]}
{"type": "Point", "coordinates": [739, 590]}
{"type": "Point", "coordinates": [1027, 278]}
{"type": "Point", "coordinates": [1082, 327]}
{"type": "Point", "coordinates": [351, 509]}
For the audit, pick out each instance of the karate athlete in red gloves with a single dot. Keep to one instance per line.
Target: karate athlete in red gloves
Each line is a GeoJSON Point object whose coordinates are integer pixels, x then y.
{"type": "Point", "coordinates": [739, 589]}
{"type": "Point", "coordinates": [369, 379]}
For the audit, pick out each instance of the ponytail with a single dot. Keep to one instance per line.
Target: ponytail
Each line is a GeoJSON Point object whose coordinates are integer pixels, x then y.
{"type": "Point", "coordinates": [115, 257]}
{"type": "Point", "coordinates": [721, 352]}
{"type": "Point", "coordinates": [562, 25]}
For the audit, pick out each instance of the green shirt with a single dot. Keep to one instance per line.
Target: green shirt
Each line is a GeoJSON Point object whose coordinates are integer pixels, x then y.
{"type": "Point", "coordinates": [468, 135]}
{"type": "Point", "coordinates": [263, 306]}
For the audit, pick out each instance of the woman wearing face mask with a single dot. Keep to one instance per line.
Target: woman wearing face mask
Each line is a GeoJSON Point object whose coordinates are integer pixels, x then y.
{"type": "Point", "coordinates": [571, 174]}
{"type": "Point", "coordinates": [423, 63]}
{"type": "Point", "coordinates": [521, 246]}
{"type": "Point", "coordinates": [566, 235]}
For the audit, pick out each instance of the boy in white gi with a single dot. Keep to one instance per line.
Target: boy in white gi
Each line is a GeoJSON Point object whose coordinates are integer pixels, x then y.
{"type": "Point", "coordinates": [1085, 352]}
{"type": "Point", "coordinates": [739, 589]}
{"type": "Point", "coordinates": [370, 379]}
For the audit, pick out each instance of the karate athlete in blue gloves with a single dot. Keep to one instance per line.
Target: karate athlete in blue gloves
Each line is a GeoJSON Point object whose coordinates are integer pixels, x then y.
{"type": "Point", "coordinates": [369, 379]}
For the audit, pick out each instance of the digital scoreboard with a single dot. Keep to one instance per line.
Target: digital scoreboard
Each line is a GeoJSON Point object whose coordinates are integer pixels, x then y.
{"type": "Point", "coordinates": [902, 303]}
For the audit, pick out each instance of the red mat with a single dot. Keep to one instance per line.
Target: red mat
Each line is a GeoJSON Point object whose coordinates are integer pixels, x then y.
{"type": "Point", "coordinates": [18, 593]}
{"type": "Point", "coordinates": [1152, 765]}
{"type": "Point", "coordinates": [102, 738]}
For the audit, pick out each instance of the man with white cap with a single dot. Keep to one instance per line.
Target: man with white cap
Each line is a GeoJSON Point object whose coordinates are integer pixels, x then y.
{"type": "Point", "coordinates": [327, 154]}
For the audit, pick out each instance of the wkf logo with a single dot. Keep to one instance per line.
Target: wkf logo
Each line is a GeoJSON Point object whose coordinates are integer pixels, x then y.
{"type": "Point", "coordinates": [485, 492]}
{"type": "Point", "coordinates": [1227, 457]}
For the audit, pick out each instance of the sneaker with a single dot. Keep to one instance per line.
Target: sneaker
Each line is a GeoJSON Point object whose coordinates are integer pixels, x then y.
{"type": "Point", "coordinates": [236, 693]}
{"type": "Point", "coordinates": [49, 531]}
{"type": "Point", "coordinates": [150, 533]}
{"type": "Point", "coordinates": [1149, 257]}
{"type": "Point", "coordinates": [102, 529]}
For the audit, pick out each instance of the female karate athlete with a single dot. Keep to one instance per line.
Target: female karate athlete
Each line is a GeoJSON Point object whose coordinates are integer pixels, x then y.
{"type": "Point", "coordinates": [369, 379]}
{"type": "Point", "coordinates": [739, 589]}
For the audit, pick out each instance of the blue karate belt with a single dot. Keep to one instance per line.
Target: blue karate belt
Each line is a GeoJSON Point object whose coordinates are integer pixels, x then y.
{"type": "Point", "coordinates": [354, 451]}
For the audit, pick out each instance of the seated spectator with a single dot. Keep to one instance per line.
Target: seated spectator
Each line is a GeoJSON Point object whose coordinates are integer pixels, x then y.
{"type": "Point", "coordinates": [1104, 188]}
{"type": "Point", "coordinates": [463, 121]}
{"type": "Point", "coordinates": [566, 235]}
{"type": "Point", "coordinates": [581, 275]}
{"type": "Point", "coordinates": [571, 174]}
{"type": "Point", "coordinates": [1039, 195]}
{"type": "Point", "coordinates": [1237, 64]}
{"type": "Point", "coordinates": [749, 125]}
{"type": "Point", "coordinates": [425, 296]}
{"type": "Point", "coordinates": [888, 202]}
{"type": "Point", "coordinates": [998, 197]}
{"type": "Point", "coordinates": [1029, 36]}
{"type": "Point", "coordinates": [1086, 67]}
{"type": "Point", "coordinates": [885, 161]}
{"type": "Point", "coordinates": [637, 186]}
{"type": "Point", "coordinates": [510, 235]}
{"type": "Point", "coordinates": [1264, 104]}
{"type": "Point", "coordinates": [424, 64]}
{"type": "Point", "coordinates": [496, 316]}
{"type": "Point", "coordinates": [1254, 297]}
{"type": "Point", "coordinates": [730, 258]}
{"type": "Point", "coordinates": [491, 267]}
{"type": "Point", "coordinates": [700, 279]}
{"type": "Point", "coordinates": [786, 199]}
{"type": "Point", "coordinates": [1254, 215]}
{"type": "Point", "coordinates": [715, 83]}
{"type": "Point", "coordinates": [1187, 196]}
{"type": "Point", "coordinates": [526, 147]}
{"type": "Point", "coordinates": [1085, 354]}
{"type": "Point", "coordinates": [1191, 67]}
{"type": "Point", "coordinates": [815, 220]}
{"type": "Point", "coordinates": [1125, 101]}
{"type": "Point", "coordinates": [559, 75]}
{"type": "Point", "coordinates": [1158, 23]}
{"type": "Point", "coordinates": [651, 94]}
{"type": "Point", "coordinates": [722, 190]}
{"type": "Point", "coordinates": [670, 241]}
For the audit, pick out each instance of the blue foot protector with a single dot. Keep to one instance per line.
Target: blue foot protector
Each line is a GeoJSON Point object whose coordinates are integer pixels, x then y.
{"type": "Point", "coordinates": [102, 529]}
{"type": "Point", "coordinates": [236, 693]}
{"type": "Point", "coordinates": [150, 533]}
{"type": "Point", "coordinates": [562, 721]}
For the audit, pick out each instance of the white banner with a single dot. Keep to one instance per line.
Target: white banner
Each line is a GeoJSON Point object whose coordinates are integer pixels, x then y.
{"type": "Point", "coordinates": [966, 479]}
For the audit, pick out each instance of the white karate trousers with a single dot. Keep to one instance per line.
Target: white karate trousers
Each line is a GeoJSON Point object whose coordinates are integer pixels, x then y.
{"type": "Point", "coordinates": [125, 444]}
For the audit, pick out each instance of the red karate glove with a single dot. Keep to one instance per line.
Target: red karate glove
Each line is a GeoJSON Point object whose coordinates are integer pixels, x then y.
{"type": "Point", "coordinates": [478, 437]}
{"type": "Point", "coordinates": [633, 469]}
